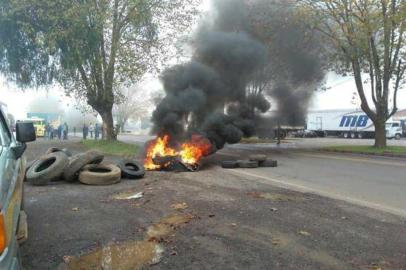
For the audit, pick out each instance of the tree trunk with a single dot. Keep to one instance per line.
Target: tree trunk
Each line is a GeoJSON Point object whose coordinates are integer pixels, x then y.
{"type": "Point", "coordinates": [380, 133]}
{"type": "Point", "coordinates": [108, 126]}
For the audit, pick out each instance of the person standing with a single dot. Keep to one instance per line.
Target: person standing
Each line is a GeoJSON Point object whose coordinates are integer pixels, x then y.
{"type": "Point", "coordinates": [85, 130]}
{"type": "Point", "coordinates": [96, 131]}
{"type": "Point", "coordinates": [60, 127]}
{"type": "Point", "coordinates": [74, 131]}
{"type": "Point", "coordinates": [65, 131]}
{"type": "Point", "coordinates": [91, 130]}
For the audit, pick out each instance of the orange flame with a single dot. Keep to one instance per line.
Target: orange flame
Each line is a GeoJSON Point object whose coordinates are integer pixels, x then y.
{"type": "Point", "coordinates": [190, 152]}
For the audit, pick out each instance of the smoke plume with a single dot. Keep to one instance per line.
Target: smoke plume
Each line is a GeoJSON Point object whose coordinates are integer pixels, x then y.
{"type": "Point", "coordinates": [210, 95]}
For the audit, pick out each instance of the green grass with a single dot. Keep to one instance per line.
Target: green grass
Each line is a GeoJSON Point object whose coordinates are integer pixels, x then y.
{"type": "Point", "coordinates": [367, 149]}
{"type": "Point", "coordinates": [111, 147]}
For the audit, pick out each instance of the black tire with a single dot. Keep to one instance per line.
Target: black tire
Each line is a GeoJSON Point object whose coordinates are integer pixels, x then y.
{"type": "Point", "coordinates": [247, 164]}
{"type": "Point", "coordinates": [398, 136]}
{"type": "Point", "coordinates": [77, 162]}
{"type": "Point", "coordinates": [258, 158]}
{"type": "Point", "coordinates": [47, 168]}
{"type": "Point", "coordinates": [131, 169]}
{"type": "Point", "coordinates": [100, 174]}
{"type": "Point", "coordinates": [229, 164]}
{"type": "Point", "coordinates": [269, 163]}
{"type": "Point", "coordinates": [56, 149]}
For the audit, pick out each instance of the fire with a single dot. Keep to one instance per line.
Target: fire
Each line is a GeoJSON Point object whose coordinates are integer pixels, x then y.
{"type": "Point", "coordinates": [189, 152]}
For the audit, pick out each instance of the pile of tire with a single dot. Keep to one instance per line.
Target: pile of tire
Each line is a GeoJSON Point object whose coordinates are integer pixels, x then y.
{"type": "Point", "coordinates": [87, 168]}
{"type": "Point", "coordinates": [254, 161]}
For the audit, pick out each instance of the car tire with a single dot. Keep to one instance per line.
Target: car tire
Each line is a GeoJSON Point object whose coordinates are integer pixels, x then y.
{"type": "Point", "coordinates": [47, 168]}
{"type": "Point", "coordinates": [360, 136]}
{"type": "Point", "coordinates": [131, 169]}
{"type": "Point", "coordinates": [247, 164]}
{"type": "Point", "coordinates": [353, 135]}
{"type": "Point", "coordinates": [229, 164]}
{"type": "Point", "coordinates": [258, 158]}
{"type": "Point", "coordinates": [398, 136]}
{"type": "Point", "coordinates": [77, 162]}
{"type": "Point", "coordinates": [345, 135]}
{"type": "Point", "coordinates": [56, 149]}
{"type": "Point", "coordinates": [100, 174]}
{"type": "Point", "coordinates": [269, 163]}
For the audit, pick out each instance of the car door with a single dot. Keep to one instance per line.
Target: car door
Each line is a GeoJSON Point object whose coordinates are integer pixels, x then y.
{"type": "Point", "coordinates": [11, 186]}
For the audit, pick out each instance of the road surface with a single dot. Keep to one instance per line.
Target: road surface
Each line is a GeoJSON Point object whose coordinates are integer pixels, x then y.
{"type": "Point", "coordinates": [240, 219]}
{"type": "Point", "coordinates": [376, 182]}
{"type": "Point", "coordinates": [369, 181]}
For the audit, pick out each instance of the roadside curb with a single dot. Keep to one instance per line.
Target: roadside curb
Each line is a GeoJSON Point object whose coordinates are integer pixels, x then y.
{"type": "Point", "coordinates": [364, 153]}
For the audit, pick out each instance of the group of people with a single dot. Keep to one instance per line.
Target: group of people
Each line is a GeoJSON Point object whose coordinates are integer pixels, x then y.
{"type": "Point", "coordinates": [61, 132]}
{"type": "Point", "coordinates": [96, 130]}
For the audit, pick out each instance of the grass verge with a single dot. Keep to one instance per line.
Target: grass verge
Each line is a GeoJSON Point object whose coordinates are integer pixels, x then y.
{"type": "Point", "coordinates": [111, 147]}
{"type": "Point", "coordinates": [366, 149]}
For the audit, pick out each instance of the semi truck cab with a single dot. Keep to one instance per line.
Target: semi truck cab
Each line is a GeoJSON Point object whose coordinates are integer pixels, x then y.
{"type": "Point", "coordinates": [394, 130]}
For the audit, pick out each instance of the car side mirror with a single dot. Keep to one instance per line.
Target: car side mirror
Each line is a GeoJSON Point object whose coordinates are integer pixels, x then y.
{"type": "Point", "coordinates": [25, 132]}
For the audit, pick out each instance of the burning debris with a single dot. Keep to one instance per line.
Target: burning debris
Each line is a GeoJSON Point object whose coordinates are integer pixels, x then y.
{"type": "Point", "coordinates": [211, 98]}
{"type": "Point", "coordinates": [161, 155]}
{"type": "Point", "coordinates": [206, 98]}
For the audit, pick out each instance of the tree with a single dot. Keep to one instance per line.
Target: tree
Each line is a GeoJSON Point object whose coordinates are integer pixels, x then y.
{"type": "Point", "coordinates": [133, 105]}
{"type": "Point", "coordinates": [295, 66]}
{"type": "Point", "coordinates": [368, 39]}
{"type": "Point", "coordinates": [89, 47]}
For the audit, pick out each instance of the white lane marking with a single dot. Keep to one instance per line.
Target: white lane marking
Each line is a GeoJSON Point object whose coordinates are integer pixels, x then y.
{"type": "Point", "coordinates": [301, 188]}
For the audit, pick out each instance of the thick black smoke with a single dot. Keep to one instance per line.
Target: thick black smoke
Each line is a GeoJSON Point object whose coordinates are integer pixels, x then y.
{"type": "Point", "coordinates": [208, 94]}
{"type": "Point", "coordinates": [297, 63]}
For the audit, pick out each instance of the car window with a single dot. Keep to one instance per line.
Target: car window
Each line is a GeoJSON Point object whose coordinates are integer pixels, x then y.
{"type": "Point", "coordinates": [395, 125]}
{"type": "Point", "coordinates": [5, 136]}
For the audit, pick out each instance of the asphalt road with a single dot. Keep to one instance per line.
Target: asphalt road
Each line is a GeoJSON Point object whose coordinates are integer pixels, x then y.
{"type": "Point", "coordinates": [369, 181]}
{"type": "Point", "coordinates": [241, 220]}
{"type": "Point", "coordinates": [377, 182]}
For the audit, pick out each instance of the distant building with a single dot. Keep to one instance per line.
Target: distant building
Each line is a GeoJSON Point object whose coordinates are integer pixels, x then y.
{"type": "Point", "coordinates": [400, 115]}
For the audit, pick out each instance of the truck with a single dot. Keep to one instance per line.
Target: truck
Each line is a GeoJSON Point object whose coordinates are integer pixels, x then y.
{"type": "Point", "coordinates": [349, 124]}
{"type": "Point", "coordinates": [39, 125]}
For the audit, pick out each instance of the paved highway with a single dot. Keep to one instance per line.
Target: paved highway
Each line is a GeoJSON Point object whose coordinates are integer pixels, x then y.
{"type": "Point", "coordinates": [379, 183]}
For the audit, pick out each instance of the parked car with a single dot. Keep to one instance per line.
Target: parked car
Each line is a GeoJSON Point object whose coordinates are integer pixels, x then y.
{"type": "Point", "coordinates": [13, 221]}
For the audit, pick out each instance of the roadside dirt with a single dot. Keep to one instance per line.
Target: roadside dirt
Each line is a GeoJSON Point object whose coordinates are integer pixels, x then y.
{"type": "Point", "coordinates": [233, 222]}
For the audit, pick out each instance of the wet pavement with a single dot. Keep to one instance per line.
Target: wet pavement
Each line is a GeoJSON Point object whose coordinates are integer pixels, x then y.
{"type": "Point", "coordinates": [211, 219]}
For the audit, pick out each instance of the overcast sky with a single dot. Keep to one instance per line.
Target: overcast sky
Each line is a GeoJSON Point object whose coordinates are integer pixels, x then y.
{"type": "Point", "coordinates": [339, 95]}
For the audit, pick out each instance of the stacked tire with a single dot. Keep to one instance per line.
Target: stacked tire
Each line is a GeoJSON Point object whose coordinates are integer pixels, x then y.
{"type": "Point", "coordinates": [254, 161]}
{"type": "Point", "coordinates": [87, 168]}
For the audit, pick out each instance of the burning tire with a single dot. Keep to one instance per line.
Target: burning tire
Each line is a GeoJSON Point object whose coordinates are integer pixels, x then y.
{"type": "Point", "coordinates": [100, 174]}
{"type": "Point", "coordinates": [248, 164]}
{"type": "Point", "coordinates": [269, 163]}
{"type": "Point", "coordinates": [259, 158]}
{"type": "Point", "coordinates": [131, 169]}
{"type": "Point", "coordinates": [47, 168]}
{"type": "Point", "coordinates": [228, 164]}
{"type": "Point", "coordinates": [56, 149]}
{"type": "Point", "coordinates": [79, 161]}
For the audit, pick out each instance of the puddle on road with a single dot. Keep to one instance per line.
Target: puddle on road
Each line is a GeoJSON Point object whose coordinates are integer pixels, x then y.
{"type": "Point", "coordinates": [121, 256]}
{"type": "Point", "coordinates": [167, 226]}
{"type": "Point", "coordinates": [276, 196]}
{"type": "Point", "coordinates": [130, 255]}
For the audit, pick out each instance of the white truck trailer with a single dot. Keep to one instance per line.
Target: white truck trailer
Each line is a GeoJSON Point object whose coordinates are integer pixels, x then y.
{"type": "Point", "coordinates": [348, 124]}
